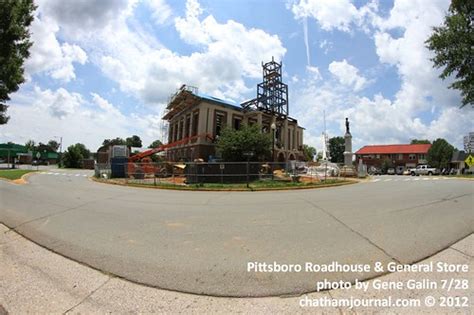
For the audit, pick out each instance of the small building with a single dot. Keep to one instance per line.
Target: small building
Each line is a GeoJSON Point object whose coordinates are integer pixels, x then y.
{"type": "Point", "coordinates": [401, 156]}
{"type": "Point", "coordinates": [458, 161]}
{"type": "Point", "coordinates": [106, 152]}
{"type": "Point", "coordinates": [196, 119]}
{"type": "Point", "coordinates": [11, 152]}
{"type": "Point", "coordinates": [47, 157]}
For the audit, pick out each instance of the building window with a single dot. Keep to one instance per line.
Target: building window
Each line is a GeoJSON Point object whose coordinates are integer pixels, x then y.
{"type": "Point", "coordinates": [421, 157]}
{"type": "Point", "coordinates": [181, 129]}
{"type": "Point", "coordinates": [412, 157]}
{"type": "Point", "coordinates": [236, 122]}
{"type": "Point", "coordinates": [297, 139]}
{"type": "Point", "coordinates": [289, 140]}
{"type": "Point", "coordinates": [187, 126]}
{"type": "Point", "coordinates": [400, 156]}
{"type": "Point", "coordinates": [195, 123]}
{"type": "Point", "coordinates": [175, 137]}
{"type": "Point", "coordinates": [219, 122]}
{"type": "Point", "coordinates": [378, 156]}
{"type": "Point", "coordinates": [170, 134]}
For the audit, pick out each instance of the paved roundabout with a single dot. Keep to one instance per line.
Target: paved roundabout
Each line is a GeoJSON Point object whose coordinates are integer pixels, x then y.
{"type": "Point", "coordinates": [202, 242]}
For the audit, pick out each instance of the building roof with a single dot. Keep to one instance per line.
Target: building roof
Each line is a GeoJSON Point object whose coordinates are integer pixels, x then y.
{"type": "Point", "coordinates": [219, 101]}
{"type": "Point", "coordinates": [394, 149]}
{"type": "Point", "coordinates": [458, 156]}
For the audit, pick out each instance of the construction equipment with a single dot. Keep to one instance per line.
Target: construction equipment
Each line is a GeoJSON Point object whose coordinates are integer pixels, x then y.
{"type": "Point", "coordinates": [141, 164]}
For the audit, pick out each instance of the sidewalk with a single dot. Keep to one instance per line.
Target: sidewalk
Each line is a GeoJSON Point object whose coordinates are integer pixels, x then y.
{"type": "Point", "coordinates": [36, 280]}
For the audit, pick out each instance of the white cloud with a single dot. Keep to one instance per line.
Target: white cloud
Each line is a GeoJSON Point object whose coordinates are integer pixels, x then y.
{"type": "Point", "coordinates": [334, 14]}
{"type": "Point", "coordinates": [161, 11]}
{"type": "Point", "coordinates": [41, 114]}
{"type": "Point", "coordinates": [410, 56]}
{"type": "Point", "coordinates": [423, 107]}
{"type": "Point", "coordinates": [325, 45]}
{"type": "Point", "coordinates": [60, 103]}
{"type": "Point", "coordinates": [347, 74]}
{"type": "Point", "coordinates": [313, 72]}
{"type": "Point", "coordinates": [82, 16]}
{"type": "Point", "coordinates": [152, 72]}
{"type": "Point", "coordinates": [248, 46]}
{"type": "Point", "coordinates": [48, 55]}
{"type": "Point", "coordinates": [135, 59]}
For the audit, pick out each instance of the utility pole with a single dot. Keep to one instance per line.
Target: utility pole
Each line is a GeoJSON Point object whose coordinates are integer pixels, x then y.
{"type": "Point", "coordinates": [60, 150]}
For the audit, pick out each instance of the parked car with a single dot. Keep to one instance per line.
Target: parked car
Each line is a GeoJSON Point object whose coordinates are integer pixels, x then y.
{"type": "Point", "coordinates": [406, 172]}
{"type": "Point", "coordinates": [391, 171]}
{"type": "Point", "coordinates": [424, 170]}
{"type": "Point", "coordinates": [374, 171]}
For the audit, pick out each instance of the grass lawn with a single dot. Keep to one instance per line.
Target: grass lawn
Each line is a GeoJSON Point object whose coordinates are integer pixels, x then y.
{"type": "Point", "coordinates": [256, 185]}
{"type": "Point", "coordinates": [14, 174]}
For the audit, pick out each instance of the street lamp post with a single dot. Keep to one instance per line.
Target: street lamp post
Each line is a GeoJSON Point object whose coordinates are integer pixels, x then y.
{"type": "Point", "coordinates": [273, 127]}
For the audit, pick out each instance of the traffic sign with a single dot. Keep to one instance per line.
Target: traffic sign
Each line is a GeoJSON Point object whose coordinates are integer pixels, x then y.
{"type": "Point", "coordinates": [469, 161]}
{"type": "Point", "coordinates": [38, 155]}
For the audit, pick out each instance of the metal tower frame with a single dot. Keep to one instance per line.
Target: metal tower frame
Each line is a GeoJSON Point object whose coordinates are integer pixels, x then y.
{"type": "Point", "coordinates": [272, 93]}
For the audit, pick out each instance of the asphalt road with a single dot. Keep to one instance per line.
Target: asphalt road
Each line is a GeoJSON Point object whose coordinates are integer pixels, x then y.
{"type": "Point", "coordinates": [201, 242]}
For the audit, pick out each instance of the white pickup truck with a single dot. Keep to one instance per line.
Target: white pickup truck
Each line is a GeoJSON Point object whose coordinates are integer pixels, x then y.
{"type": "Point", "coordinates": [424, 170]}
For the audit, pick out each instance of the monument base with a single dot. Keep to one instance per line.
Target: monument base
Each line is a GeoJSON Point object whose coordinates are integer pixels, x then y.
{"type": "Point", "coordinates": [348, 171]}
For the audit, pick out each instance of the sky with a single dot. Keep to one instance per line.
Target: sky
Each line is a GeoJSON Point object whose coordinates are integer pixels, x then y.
{"type": "Point", "coordinates": [105, 68]}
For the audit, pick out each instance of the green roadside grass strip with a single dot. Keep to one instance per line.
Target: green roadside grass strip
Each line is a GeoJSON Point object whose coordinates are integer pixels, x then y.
{"type": "Point", "coordinates": [258, 185]}
{"type": "Point", "coordinates": [14, 174]}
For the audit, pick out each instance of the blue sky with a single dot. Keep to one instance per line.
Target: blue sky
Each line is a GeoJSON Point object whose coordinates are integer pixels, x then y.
{"type": "Point", "coordinates": [104, 68]}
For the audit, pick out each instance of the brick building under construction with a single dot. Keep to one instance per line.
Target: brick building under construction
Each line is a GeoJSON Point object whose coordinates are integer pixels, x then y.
{"type": "Point", "coordinates": [196, 119]}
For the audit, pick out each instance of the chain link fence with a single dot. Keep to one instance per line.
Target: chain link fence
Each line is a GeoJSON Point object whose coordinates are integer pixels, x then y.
{"type": "Point", "coordinates": [200, 173]}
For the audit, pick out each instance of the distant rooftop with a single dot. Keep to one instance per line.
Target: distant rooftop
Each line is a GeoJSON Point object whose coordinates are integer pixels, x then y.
{"type": "Point", "coordinates": [394, 149]}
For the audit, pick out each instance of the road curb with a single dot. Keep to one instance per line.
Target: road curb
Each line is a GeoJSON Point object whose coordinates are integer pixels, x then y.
{"type": "Point", "coordinates": [20, 181]}
{"type": "Point", "coordinates": [347, 182]}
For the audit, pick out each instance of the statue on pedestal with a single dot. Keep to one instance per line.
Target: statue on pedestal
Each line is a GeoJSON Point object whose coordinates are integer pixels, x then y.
{"type": "Point", "coordinates": [348, 169]}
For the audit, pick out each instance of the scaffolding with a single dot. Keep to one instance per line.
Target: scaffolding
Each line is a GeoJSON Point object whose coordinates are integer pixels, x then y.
{"type": "Point", "coordinates": [272, 93]}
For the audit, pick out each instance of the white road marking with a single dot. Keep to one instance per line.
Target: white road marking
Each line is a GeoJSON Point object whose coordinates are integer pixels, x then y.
{"type": "Point", "coordinates": [435, 178]}
{"type": "Point", "coordinates": [426, 178]}
{"type": "Point", "coordinates": [56, 174]}
{"type": "Point", "coordinates": [416, 179]}
{"type": "Point", "coordinates": [387, 180]}
{"type": "Point", "coordinates": [376, 180]}
{"type": "Point", "coordinates": [407, 179]}
{"type": "Point", "coordinates": [84, 175]}
{"type": "Point", "coordinates": [78, 174]}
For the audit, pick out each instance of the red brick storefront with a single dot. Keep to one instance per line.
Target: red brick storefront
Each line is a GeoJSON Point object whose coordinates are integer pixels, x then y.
{"type": "Point", "coordinates": [402, 156]}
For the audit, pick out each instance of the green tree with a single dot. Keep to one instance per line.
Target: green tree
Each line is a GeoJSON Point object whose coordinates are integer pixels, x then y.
{"type": "Point", "coordinates": [155, 144]}
{"type": "Point", "coordinates": [453, 45]}
{"type": "Point", "coordinates": [116, 141]}
{"type": "Point", "coordinates": [30, 145]}
{"type": "Point", "coordinates": [420, 141]}
{"type": "Point", "coordinates": [134, 141]}
{"type": "Point", "coordinates": [233, 143]}
{"type": "Point", "coordinates": [336, 149]}
{"type": "Point", "coordinates": [386, 164]}
{"type": "Point", "coordinates": [41, 147]}
{"type": "Point", "coordinates": [74, 155]}
{"type": "Point", "coordinates": [440, 153]}
{"type": "Point", "coordinates": [308, 152]}
{"type": "Point", "coordinates": [319, 156]}
{"type": "Point", "coordinates": [15, 18]}
{"type": "Point", "coordinates": [54, 145]}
